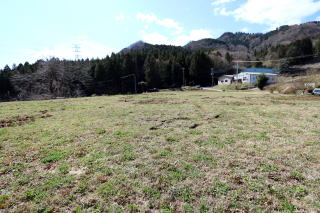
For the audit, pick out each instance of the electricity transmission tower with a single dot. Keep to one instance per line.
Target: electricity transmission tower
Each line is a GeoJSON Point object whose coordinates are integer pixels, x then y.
{"type": "Point", "coordinates": [76, 50]}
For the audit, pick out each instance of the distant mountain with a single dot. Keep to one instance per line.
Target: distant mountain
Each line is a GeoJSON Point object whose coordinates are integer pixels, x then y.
{"type": "Point", "coordinates": [247, 41]}
{"type": "Point", "coordinates": [258, 41]}
{"type": "Point", "coordinates": [163, 66]}
{"type": "Point", "coordinates": [207, 43]}
{"type": "Point", "coordinates": [136, 46]}
{"type": "Point", "coordinates": [245, 46]}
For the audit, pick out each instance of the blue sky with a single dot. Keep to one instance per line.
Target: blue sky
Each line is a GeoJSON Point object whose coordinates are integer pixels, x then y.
{"type": "Point", "coordinates": [35, 29]}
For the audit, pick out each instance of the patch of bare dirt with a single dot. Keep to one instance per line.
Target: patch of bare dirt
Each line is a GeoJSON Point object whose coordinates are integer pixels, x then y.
{"type": "Point", "coordinates": [240, 103]}
{"type": "Point", "coordinates": [228, 96]}
{"type": "Point", "coordinates": [238, 180]}
{"type": "Point", "coordinates": [44, 114]}
{"type": "Point", "coordinates": [283, 102]}
{"type": "Point", "coordinates": [276, 176]}
{"type": "Point", "coordinates": [213, 117]}
{"type": "Point", "coordinates": [153, 101]}
{"type": "Point", "coordinates": [236, 103]}
{"type": "Point", "coordinates": [16, 121]}
{"type": "Point", "coordinates": [306, 98]}
{"type": "Point", "coordinates": [23, 119]}
{"type": "Point", "coordinates": [165, 122]}
{"type": "Point", "coordinates": [194, 126]}
{"type": "Point", "coordinates": [205, 98]}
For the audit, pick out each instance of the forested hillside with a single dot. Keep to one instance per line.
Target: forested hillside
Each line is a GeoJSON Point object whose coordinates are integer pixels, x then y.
{"type": "Point", "coordinates": [251, 42]}
{"type": "Point", "coordinates": [144, 66]}
{"type": "Point", "coordinates": [153, 67]}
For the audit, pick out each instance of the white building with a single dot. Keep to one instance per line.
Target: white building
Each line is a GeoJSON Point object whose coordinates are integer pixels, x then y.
{"type": "Point", "coordinates": [251, 77]}
{"type": "Point", "coordinates": [226, 80]}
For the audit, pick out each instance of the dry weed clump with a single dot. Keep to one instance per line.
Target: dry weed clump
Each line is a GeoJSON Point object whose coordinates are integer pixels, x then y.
{"type": "Point", "coordinates": [294, 85]}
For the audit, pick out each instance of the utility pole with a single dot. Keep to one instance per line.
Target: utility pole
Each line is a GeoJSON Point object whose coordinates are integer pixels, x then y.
{"type": "Point", "coordinates": [212, 77]}
{"type": "Point", "coordinates": [237, 67]}
{"type": "Point", "coordinates": [238, 63]}
{"type": "Point", "coordinates": [135, 83]}
{"type": "Point", "coordinates": [183, 77]}
{"type": "Point", "coordinates": [76, 51]}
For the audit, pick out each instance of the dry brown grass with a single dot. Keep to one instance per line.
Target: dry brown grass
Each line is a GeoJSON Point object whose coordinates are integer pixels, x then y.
{"type": "Point", "coordinates": [292, 85]}
{"type": "Point", "coordinates": [169, 151]}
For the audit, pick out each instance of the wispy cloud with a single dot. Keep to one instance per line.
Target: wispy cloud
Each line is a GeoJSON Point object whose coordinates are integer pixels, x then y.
{"type": "Point", "coordinates": [166, 22]}
{"type": "Point", "coordinates": [179, 40]}
{"type": "Point", "coordinates": [273, 13]}
{"type": "Point", "coordinates": [120, 17]}
{"type": "Point", "coordinates": [88, 49]}
{"type": "Point", "coordinates": [219, 7]}
{"type": "Point", "coordinates": [245, 30]}
{"type": "Point", "coordinates": [222, 11]}
{"type": "Point", "coordinates": [194, 35]}
{"type": "Point", "coordinates": [221, 2]}
{"type": "Point", "coordinates": [154, 38]}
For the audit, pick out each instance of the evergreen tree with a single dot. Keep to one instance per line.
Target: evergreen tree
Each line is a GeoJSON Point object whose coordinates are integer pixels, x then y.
{"type": "Point", "coordinates": [200, 68]}
{"type": "Point", "coordinates": [128, 65]}
{"type": "Point", "coordinates": [152, 75]}
{"type": "Point", "coordinates": [228, 57]}
{"type": "Point", "coordinates": [5, 84]}
{"type": "Point", "coordinates": [301, 48]}
{"type": "Point", "coordinates": [6, 68]}
{"type": "Point", "coordinates": [317, 47]}
{"type": "Point", "coordinates": [99, 72]}
{"type": "Point", "coordinates": [159, 65]}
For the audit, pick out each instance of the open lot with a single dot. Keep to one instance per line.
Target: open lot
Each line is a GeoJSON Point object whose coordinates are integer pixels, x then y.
{"type": "Point", "coordinates": [170, 151]}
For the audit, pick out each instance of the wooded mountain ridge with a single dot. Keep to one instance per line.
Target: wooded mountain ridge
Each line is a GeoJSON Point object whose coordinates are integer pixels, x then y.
{"type": "Point", "coordinates": [283, 35]}
{"type": "Point", "coordinates": [248, 44]}
{"type": "Point", "coordinates": [143, 66]}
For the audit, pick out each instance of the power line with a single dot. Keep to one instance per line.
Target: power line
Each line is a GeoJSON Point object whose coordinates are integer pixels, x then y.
{"type": "Point", "coordinates": [274, 60]}
{"type": "Point", "coordinates": [183, 77]}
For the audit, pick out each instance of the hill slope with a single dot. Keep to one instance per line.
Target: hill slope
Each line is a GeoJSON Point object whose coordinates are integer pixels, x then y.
{"type": "Point", "coordinates": [136, 46]}
{"type": "Point", "coordinates": [258, 41]}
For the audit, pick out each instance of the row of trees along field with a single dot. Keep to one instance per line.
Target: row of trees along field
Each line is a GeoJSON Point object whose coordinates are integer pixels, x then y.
{"type": "Point", "coordinates": [158, 66]}
{"type": "Point", "coordinates": [155, 67]}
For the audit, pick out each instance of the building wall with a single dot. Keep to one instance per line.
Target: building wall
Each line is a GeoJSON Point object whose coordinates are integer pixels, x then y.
{"type": "Point", "coordinates": [245, 78]}
{"type": "Point", "coordinates": [271, 78]}
{"type": "Point", "coordinates": [224, 81]}
{"type": "Point", "coordinates": [251, 78]}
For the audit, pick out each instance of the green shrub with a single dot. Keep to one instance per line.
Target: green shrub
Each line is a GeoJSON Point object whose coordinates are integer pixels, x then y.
{"type": "Point", "coordinates": [262, 81]}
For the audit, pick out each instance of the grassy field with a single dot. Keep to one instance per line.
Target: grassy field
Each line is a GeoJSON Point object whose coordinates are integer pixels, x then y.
{"type": "Point", "coordinates": [163, 152]}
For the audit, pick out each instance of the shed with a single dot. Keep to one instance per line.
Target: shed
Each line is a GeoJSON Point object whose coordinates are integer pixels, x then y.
{"type": "Point", "coordinates": [226, 80]}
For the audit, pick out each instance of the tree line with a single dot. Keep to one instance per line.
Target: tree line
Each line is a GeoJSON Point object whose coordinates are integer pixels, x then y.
{"type": "Point", "coordinates": [156, 66]}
